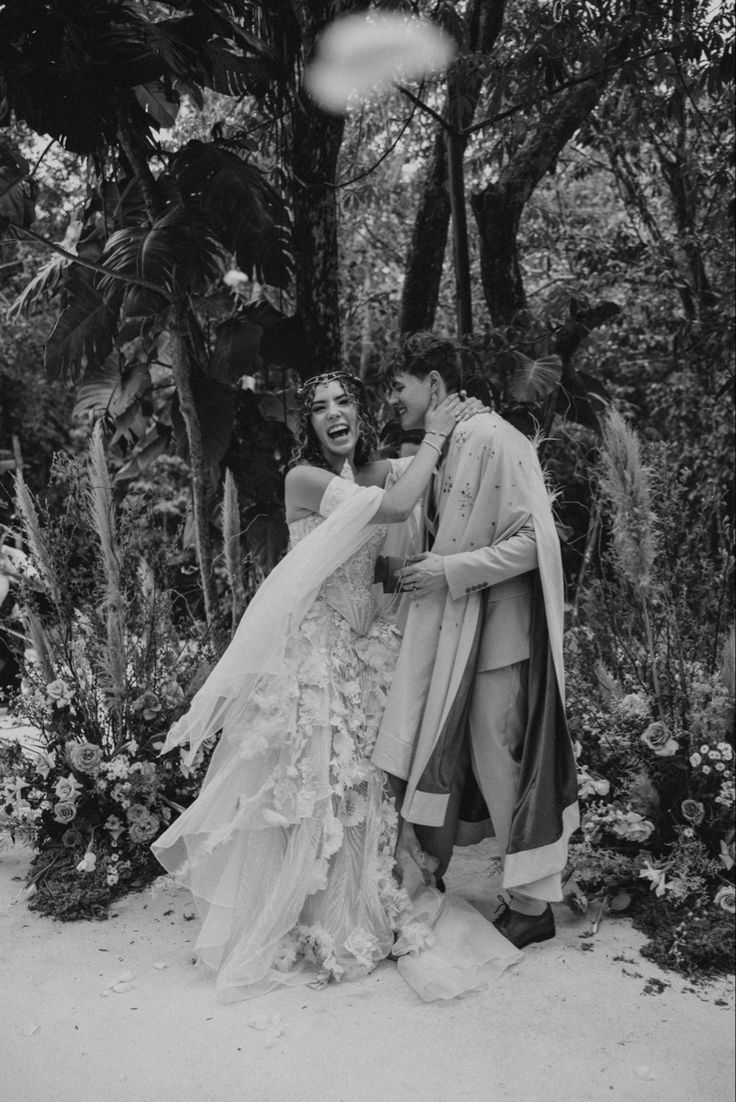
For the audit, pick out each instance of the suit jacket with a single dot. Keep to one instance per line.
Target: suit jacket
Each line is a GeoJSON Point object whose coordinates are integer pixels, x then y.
{"type": "Point", "coordinates": [504, 570]}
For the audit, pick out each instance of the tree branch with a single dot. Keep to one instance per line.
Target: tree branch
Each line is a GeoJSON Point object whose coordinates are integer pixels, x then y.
{"type": "Point", "coordinates": [448, 127]}
{"type": "Point", "coordinates": [550, 93]}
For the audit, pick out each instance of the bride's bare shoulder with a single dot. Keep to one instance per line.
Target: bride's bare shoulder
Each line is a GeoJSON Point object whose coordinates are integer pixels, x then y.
{"type": "Point", "coordinates": [373, 474]}
{"type": "Point", "coordinates": [304, 488]}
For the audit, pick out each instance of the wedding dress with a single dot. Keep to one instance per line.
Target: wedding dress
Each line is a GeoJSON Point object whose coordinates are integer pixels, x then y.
{"type": "Point", "coordinates": [289, 848]}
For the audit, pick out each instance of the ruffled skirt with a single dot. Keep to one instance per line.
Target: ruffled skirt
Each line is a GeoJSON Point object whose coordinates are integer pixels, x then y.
{"type": "Point", "coordinates": [289, 848]}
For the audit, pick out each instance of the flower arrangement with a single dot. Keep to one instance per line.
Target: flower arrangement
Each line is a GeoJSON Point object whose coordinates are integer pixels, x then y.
{"type": "Point", "coordinates": [108, 668]}
{"type": "Point", "coordinates": [651, 710]}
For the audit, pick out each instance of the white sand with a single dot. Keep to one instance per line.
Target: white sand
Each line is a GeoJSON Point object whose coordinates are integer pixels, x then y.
{"type": "Point", "coordinates": [577, 1020]}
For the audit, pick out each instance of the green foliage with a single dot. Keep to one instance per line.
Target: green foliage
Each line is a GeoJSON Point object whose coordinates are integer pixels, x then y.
{"type": "Point", "coordinates": [16, 201]}
{"type": "Point", "coordinates": [77, 66]}
{"type": "Point", "coordinates": [35, 415]}
{"type": "Point", "coordinates": [242, 209]}
{"type": "Point", "coordinates": [693, 942]}
{"type": "Point", "coordinates": [89, 788]}
{"type": "Point", "coordinates": [650, 704]}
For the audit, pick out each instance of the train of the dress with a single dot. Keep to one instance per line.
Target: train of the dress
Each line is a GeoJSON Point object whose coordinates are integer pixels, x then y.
{"type": "Point", "coordinates": [445, 947]}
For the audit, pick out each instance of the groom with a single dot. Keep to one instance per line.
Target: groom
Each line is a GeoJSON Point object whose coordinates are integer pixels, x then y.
{"type": "Point", "coordinates": [476, 701]}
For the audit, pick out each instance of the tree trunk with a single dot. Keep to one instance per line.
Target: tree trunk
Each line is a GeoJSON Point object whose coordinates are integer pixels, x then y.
{"type": "Point", "coordinates": [314, 149]}
{"type": "Point", "coordinates": [316, 145]}
{"type": "Point", "coordinates": [497, 214]}
{"type": "Point", "coordinates": [499, 206]}
{"type": "Point", "coordinates": [425, 260]}
{"type": "Point", "coordinates": [423, 272]}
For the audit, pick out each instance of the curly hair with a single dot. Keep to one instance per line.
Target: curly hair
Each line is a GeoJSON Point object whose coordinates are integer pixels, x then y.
{"type": "Point", "coordinates": [422, 352]}
{"type": "Point", "coordinates": [307, 448]}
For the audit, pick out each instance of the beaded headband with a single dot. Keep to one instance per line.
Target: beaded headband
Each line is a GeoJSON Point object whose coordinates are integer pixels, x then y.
{"type": "Point", "coordinates": [327, 377]}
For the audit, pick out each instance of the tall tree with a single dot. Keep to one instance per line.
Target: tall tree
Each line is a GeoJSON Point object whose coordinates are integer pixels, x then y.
{"type": "Point", "coordinates": [543, 71]}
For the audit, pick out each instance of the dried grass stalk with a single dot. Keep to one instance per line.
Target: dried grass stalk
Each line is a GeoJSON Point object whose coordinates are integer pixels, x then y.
{"type": "Point", "coordinates": [36, 540]}
{"type": "Point", "coordinates": [728, 665]}
{"type": "Point", "coordinates": [231, 544]}
{"type": "Point", "coordinates": [102, 519]}
{"type": "Point", "coordinates": [40, 644]}
{"type": "Point", "coordinates": [624, 482]}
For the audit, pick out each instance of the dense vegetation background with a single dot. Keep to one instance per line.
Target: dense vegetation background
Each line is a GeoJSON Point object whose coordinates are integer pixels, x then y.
{"type": "Point", "coordinates": [184, 234]}
{"type": "Point", "coordinates": [585, 149]}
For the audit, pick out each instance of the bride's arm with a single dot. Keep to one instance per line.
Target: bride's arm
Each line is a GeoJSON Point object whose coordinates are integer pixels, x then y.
{"type": "Point", "coordinates": [305, 485]}
{"type": "Point", "coordinates": [399, 500]}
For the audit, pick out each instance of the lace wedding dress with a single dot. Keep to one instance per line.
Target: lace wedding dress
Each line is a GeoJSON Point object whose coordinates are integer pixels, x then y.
{"type": "Point", "coordinates": [289, 849]}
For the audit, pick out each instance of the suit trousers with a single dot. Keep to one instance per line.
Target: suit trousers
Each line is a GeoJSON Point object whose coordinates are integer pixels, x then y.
{"type": "Point", "coordinates": [496, 725]}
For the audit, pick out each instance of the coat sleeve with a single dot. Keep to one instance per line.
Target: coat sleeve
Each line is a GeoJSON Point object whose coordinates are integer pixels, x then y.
{"type": "Point", "coordinates": [468, 571]}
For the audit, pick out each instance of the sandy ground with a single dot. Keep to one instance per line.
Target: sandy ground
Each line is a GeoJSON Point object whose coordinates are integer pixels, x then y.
{"type": "Point", "coordinates": [116, 1010]}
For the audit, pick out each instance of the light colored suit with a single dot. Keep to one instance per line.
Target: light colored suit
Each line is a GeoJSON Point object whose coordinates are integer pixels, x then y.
{"type": "Point", "coordinates": [497, 715]}
{"type": "Point", "coordinates": [467, 657]}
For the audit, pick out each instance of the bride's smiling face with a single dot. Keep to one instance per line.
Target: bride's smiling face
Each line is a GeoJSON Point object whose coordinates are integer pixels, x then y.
{"type": "Point", "coordinates": [334, 419]}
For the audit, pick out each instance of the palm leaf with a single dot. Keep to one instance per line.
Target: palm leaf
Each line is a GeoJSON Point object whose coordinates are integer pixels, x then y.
{"type": "Point", "coordinates": [242, 209]}
{"type": "Point", "coordinates": [177, 250]}
{"type": "Point", "coordinates": [44, 284]}
{"type": "Point", "coordinates": [112, 389]}
{"type": "Point", "coordinates": [232, 75]}
{"type": "Point", "coordinates": [84, 332]}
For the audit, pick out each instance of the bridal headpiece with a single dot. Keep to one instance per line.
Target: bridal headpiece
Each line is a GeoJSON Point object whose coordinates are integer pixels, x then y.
{"type": "Point", "coordinates": [326, 377]}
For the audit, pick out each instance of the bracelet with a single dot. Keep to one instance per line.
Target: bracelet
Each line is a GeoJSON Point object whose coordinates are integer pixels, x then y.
{"type": "Point", "coordinates": [434, 432]}
{"type": "Point", "coordinates": [431, 445]}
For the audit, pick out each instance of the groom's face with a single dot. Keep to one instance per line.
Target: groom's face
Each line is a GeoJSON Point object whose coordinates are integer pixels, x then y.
{"type": "Point", "coordinates": [409, 398]}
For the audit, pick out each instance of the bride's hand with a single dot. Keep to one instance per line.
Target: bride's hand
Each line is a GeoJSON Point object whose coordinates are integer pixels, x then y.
{"type": "Point", "coordinates": [469, 407]}
{"type": "Point", "coordinates": [442, 418]}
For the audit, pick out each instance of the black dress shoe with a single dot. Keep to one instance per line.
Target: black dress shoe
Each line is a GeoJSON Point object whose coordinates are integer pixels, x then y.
{"type": "Point", "coordinates": [522, 929]}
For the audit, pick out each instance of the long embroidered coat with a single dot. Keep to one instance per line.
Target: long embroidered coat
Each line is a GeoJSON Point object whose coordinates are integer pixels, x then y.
{"type": "Point", "coordinates": [492, 486]}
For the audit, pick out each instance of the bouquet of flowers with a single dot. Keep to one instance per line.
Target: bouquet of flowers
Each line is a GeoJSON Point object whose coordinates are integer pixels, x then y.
{"type": "Point", "coordinates": [653, 722]}
{"type": "Point", "coordinates": [108, 667]}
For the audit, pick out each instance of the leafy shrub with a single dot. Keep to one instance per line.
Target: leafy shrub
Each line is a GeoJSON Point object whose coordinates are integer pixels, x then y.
{"type": "Point", "coordinates": [651, 707]}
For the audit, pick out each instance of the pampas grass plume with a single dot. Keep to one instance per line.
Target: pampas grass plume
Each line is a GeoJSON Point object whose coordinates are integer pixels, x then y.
{"type": "Point", "coordinates": [728, 665]}
{"type": "Point", "coordinates": [102, 518]}
{"type": "Point", "coordinates": [39, 644]}
{"type": "Point", "coordinates": [36, 540]}
{"type": "Point", "coordinates": [231, 542]}
{"type": "Point", "coordinates": [624, 482]}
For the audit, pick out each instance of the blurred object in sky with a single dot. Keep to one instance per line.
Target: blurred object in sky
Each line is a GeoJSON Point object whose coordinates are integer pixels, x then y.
{"type": "Point", "coordinates": [361, 55]}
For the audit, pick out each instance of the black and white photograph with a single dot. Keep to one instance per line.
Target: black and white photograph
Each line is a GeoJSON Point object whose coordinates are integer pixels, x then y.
{"type": "Point", "coordinates": [367, 544]}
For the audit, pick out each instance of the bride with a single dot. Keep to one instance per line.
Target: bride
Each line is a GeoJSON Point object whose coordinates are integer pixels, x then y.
{"type": "Point", "coordinates": [290, 849]}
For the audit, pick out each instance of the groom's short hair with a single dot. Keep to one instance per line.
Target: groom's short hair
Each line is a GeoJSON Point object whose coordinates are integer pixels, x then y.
{"type": "Point", "coordinates": [422, 352]}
